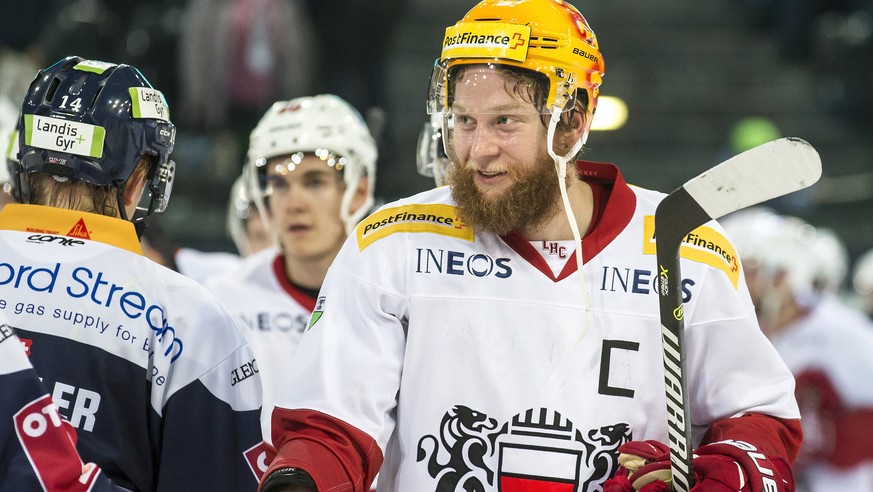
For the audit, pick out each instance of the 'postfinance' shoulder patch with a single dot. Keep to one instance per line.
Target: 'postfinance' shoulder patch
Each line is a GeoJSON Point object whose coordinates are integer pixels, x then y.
{"type": "Point", "coordinates": [436, 218]}
{"type": "Point", "coordinates": [704, 245]}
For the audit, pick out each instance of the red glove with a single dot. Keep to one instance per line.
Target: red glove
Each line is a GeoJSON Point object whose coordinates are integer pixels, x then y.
{"type": "Point", "coordinates": [636, 455]}
{"type": "Point", "coordinates": [728, 466]}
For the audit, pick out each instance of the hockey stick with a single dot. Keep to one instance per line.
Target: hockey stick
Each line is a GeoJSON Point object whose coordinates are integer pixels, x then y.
{"type": "Point", "coordinates": [757, 175]}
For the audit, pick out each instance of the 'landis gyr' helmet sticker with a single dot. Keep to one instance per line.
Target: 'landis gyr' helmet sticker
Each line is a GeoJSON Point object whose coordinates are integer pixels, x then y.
{"type": "Point", "coordinates": [573, 461]}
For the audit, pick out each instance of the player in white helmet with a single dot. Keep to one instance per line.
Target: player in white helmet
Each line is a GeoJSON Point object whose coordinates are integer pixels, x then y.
{"type": "Point", "coordinates": [862, 282]}
{"type": "Point", "coordinates": [142, 361]}
{"type": "Point", "coordinates": [749, 230]}
{"type": "Point", "coordinates": [311, 169]}
{"type": "Point", "coordinates": [245, 226]}
{"type": "Point", "coordinates": [464, 338]}
{"type": "Point", "coordinates": [827, 346]}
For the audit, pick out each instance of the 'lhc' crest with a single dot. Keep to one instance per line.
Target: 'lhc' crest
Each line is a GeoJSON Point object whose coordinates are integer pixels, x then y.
{"type": "Point", "coordinates": [537, 449]}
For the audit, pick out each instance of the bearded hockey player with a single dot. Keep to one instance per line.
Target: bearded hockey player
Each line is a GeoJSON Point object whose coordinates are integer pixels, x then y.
{"type": "Point", "coordinates": [502, 333]}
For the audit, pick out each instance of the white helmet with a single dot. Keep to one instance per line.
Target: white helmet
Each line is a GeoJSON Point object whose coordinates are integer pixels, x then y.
{"type": "Point", "coordinates": [326, 126]}
{"type": "Point", "coordinates": [790, 250]}
{"type": "Point", "coordinates": [862, 274]}
{"type": "Point", "coordinates": [748, 230]}
{"type": "Point", "coordinates": [833, 260]}
{"type": "Point", "coordinates": [240, 208]}
{"type": "Point", "coordinates": [431, 159]}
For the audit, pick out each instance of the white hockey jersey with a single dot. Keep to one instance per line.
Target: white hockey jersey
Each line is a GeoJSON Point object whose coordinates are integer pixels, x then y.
{"type": "Point", "coordinates": [271, 313]}
{"type": "Point", "coordinates": [471, 363]}
{"type": "Point", "coordinates": [142, 361]}
{"type": "Point", "coordinates": [828, 351]}
{"type": "Point", "coordinates": [201, 265]}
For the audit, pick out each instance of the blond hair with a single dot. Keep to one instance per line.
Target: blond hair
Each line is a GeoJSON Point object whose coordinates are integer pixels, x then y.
{"type": "Point", "coordinates": [72, 194]}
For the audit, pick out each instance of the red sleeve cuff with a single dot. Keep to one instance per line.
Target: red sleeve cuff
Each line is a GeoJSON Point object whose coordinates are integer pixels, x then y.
{"type": "Point", "coordinates": [777, 438]}
{"type": "Point", "coordinates": [338, 456]}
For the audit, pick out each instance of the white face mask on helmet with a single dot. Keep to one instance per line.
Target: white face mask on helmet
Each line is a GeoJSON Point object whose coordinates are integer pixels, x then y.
{"type": "Point", "coordinates": [323, 125]}
{"type": "Point", "coordinates": [431, 158]}
{"type": "Point", "coordinates": [240, 208]}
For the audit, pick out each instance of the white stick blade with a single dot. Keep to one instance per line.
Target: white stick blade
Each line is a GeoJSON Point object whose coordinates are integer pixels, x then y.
{"type": "Point", "coordinates": [767, 171]}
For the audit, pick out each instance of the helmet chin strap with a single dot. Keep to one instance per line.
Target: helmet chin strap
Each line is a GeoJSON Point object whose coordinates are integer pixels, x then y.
{"type": "Point", "coordinates": [350, 219]}
{"type": "Point", "coordinates": [561, 169]}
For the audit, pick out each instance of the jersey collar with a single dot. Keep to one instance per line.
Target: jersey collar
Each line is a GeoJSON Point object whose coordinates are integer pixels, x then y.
{"type": "Point", "coordinates": [616, 214]}
{"type": "Point", "coordinates": [40, 219]}
{"type": "Point", "coordinates": [298, 295]}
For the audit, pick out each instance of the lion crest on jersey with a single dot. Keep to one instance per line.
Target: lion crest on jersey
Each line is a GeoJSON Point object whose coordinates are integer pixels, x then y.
{"type": "Point", "coordinates": [536, 450]}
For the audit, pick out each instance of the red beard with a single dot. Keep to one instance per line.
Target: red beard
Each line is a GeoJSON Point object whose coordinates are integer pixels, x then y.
{"type": "Point", "coordinates": [533, 198]}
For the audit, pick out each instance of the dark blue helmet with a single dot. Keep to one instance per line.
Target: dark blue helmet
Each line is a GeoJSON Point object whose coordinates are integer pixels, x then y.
{"type": "Point", "coordinates": [94, 121]}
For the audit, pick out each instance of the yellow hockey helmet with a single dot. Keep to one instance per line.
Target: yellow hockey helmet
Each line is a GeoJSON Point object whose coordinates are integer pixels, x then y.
{"type": "Point", "coordinates": [547, 36]}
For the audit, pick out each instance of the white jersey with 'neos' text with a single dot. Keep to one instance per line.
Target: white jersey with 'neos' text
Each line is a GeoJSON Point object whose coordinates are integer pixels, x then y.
{"type": "Point", "coordinates": [470, 361]}
{"type": "Point", "coordinates": [271, 313]}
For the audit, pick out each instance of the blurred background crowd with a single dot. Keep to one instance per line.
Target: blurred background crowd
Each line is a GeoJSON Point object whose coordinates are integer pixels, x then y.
{"type": "Point", "coordinates": [701, 81]}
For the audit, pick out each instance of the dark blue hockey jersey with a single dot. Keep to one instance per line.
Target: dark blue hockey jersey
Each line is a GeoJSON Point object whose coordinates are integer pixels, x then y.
{"type": "Point", "coordinates": [160, 385]}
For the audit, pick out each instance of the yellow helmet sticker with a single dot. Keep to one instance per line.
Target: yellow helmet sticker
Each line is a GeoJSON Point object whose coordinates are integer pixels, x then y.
{"type": "Point", "coordinates": [486, 40]}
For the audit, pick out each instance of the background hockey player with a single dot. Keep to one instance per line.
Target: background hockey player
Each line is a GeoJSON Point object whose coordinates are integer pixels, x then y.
{"type": "Point", "coordinates": [312, 164]}
{"type": "Point", "coordinates": [466, 340]}
{"type": "Point", "coordinates": [143, 362]}
{"type": "Point", "coordinates": [824, 342]}
{"type": "Point", "coordinates": [245, 225]}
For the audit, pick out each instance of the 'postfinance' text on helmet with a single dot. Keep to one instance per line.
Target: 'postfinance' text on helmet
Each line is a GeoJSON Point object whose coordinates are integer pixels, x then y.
{"type": "Point", "coordinates": [94, 121]}
{"type": "Point", "coordinates": [546, 36]}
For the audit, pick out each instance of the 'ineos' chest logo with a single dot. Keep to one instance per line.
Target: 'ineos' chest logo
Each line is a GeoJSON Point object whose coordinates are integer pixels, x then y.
{"type": "Point", "coordinates": [459, 263]}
